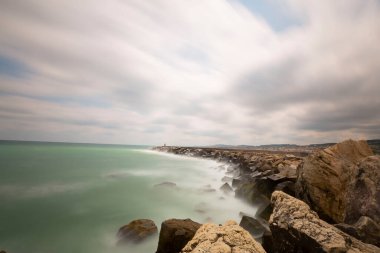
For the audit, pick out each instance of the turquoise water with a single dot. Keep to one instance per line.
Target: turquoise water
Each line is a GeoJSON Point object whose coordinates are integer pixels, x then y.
{"type": "Point", "coordinates": [59, 198]}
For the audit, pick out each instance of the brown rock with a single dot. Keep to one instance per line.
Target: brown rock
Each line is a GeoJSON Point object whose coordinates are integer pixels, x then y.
{"type": "Point", "coordinates": [296, 228]}
{"type": "Point", "coordinates": [363, 193]}
{"type": "Point", "coordinates": [136, 231]}
{"type": "Point", "coordinates": [365, 229]}
{"type": "Point", "coordinates": [229, 238]}
{"type": "Point", "coordinates": [174, 235]}
{"type": "Point", "coordinates": [325, 176]}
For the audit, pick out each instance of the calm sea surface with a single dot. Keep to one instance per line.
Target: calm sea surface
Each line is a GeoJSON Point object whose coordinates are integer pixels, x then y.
{"type": "Point", "coordinates": [60, 198]}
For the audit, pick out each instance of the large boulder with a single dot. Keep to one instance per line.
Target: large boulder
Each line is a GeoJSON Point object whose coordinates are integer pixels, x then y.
{"type": "Point", "coordinates": [229, 238]}
{"type": "Point", "coordinates": [296, 228]}
{"type": "Point", "coordinates": [363, 198]}
{"type": "Point", "coordinates": [323, 181]}
{"type": "Point", "coordinates": [175, 233]}
{"type": "Point", "coordinates": [136, 231]}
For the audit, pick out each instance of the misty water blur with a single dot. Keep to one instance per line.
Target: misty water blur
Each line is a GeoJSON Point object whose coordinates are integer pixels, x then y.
{"type": "Point", "coordinates": [73, 198]}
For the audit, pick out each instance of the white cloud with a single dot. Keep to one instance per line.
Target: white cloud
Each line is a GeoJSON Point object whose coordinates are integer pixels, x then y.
{"type": "Point", "coordinates": [188, 72]}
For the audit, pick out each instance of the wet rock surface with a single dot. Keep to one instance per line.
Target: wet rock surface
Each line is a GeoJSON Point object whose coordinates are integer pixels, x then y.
{"type": "Point", "coordinates": [256, 227]}
{"type": "Point", "coordinates": [296, 228]}
{"type": "Point", "coordinates": [175, 234]}
{"type": "Point", "coordinates": [136, 231]}
{"type": "Point", "coordinates": [229, 238]}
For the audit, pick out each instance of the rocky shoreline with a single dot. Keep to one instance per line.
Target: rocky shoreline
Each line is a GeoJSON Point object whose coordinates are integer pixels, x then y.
{"type": "Point", "coordinates": [324, 201]}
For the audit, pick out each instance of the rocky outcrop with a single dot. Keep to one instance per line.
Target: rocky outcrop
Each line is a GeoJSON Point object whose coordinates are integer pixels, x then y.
{"type": "Point", "coordinates": [323, 181]}
{"type": "Point", "coordinates": [174, 235]}
{"type": "Point", "coordinates": [136, 231]}
{"type": "Point", "coordinates": [229, 238]}
{"type": "Point", "coordinates": [296, 228]}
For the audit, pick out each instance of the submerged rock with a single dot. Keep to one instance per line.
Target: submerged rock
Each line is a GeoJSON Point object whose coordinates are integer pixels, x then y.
{"type": "Point", "coordinates": [296, 228]}
{"type": "Point", "coordinates": [323, 181]}
{"type": "Point", "coordinates": [136, 231]}
{"type": "Point", "coordinates": [226, 188]}
{"type": "Point", "coordinates": [229, 238]}
{"type": "Point", "coordinates": [166, 184]}
{"type": "Point", "coordinates": [175, 233]}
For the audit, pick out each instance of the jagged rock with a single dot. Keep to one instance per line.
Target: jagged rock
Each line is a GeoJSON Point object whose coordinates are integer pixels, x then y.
{"type": "Point", "coordinates": [325, 176]}
{"type": "Point", "coordinates": [166, 184]}
{"type": "Point", "coordinates": [175, 234]}
{"type": "Point", "coordinates": [363, 194]}
{"type": "Point", "coordinates": [256, 227]}
{"type": "Point", "coordinates": [229, 238]}
{"type": "Point", "coordinates": [365, 229]}
{"type": "Point", "coordinates": [226, 188]}
{"type": "Point", "coordinates": [136, 231]}
{"type": "Point", "coordinates": [296, 228]}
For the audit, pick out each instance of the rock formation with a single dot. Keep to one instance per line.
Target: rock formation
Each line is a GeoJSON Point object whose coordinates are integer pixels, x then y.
{"type": "Point", "coordinates": [229, 238]}
{"type": "Point", "coordinates": [296, 228]}
{"type": "Point", "coordinates": [136, 231]}
{"type": "Point", "coordinates": [363, 198]}
{"type": "Point", "coordinates": [325, 177]}
{"type": "Point", "coordinates": [175, 233]}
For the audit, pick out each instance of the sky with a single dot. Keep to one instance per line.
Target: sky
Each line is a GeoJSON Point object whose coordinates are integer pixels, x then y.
{"type": "Point", "coordinates": [190, 72]}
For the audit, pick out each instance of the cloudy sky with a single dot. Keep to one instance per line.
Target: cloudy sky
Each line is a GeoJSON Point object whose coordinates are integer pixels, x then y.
{"type": "Point", "coordinates": [190, 72]}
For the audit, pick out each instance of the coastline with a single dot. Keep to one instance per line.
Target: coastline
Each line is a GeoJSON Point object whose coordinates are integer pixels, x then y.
{"type": "Point", "coordinates": [270, 178]}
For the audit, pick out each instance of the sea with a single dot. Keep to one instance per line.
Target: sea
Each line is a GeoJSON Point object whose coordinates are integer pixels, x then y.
{"type": "Point", "coordinates": [65, 197]}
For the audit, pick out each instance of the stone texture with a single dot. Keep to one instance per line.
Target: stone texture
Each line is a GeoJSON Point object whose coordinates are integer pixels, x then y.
{"type": "Point", "coordinates": [365, 229]}
{"type": "Point", "coordinates": [296, 228]}
{"type": "Point", "coordinates": [136, 231]}
{"type": "Point", "coordinates": [175, 233]}
{"type": "Point", "coordinates": [325, 176]}
{"type": "Point", "coordinates": [229, 238]}
{"type": "Point", "coordinates": [363, 198]}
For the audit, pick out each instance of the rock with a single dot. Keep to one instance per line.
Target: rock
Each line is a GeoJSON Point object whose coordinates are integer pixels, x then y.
{"type": "Point", "coordinates": [287, 187]}
{"type": "Point", "coordinates": [227, 179]}
{"type": "Point", "coordinates": [325, 176]}
{"type": "Point", "coordinates": [236, 182]}
{"type": "Point", "coordinates": [365, 229]}
{"type": "Point", "coordinates": [363, 193]}
{"type": "Point", "coordinates": [175, 234]}
{"type": "Point", "coordinates": [229, 238]}
{"type": "Point", "coordinates": [296, 228]}
{"type": "Point", "coordinates": [368, 230]}
{"type": "Point", "coordinates": [136, 231]}
{"type": "Point", "coordinates": [256, 227]}
{"type": "Point", "coordinates": [166, 184]}
{"type": "Point", "coordinates": [226, 188]}
{"type": "Point", "coordinates": [3, 251]}
{"type": "Point", "coordinates": [267, 242]}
